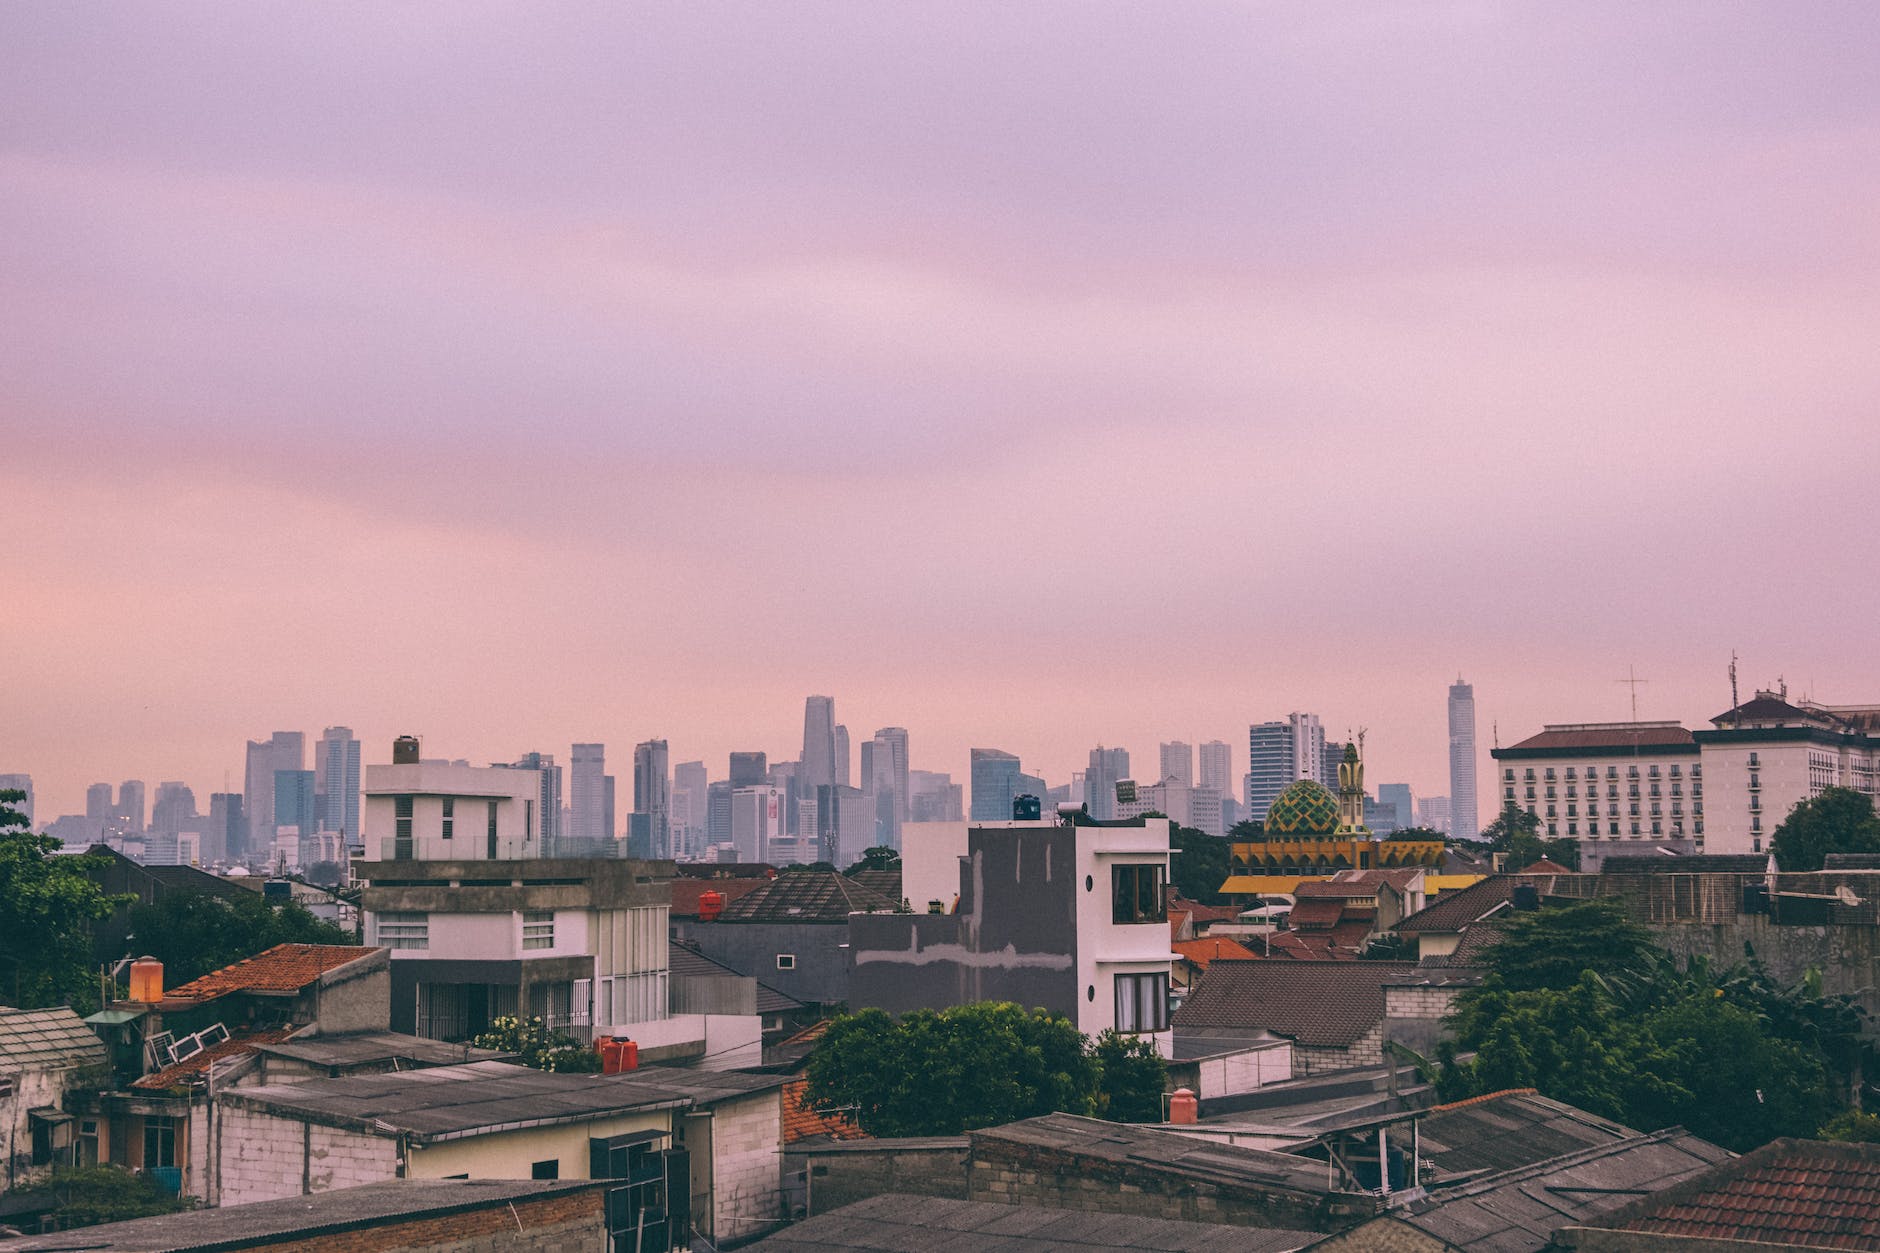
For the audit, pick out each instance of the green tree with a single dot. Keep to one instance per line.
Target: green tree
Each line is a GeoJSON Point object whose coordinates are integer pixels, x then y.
{"type": "Point", "coordinates": [1515, 834]}
{"type": "Point", "coordinates": [1840, 820]}
{"type": "Point", "coordinates": [1550, 948]}
{"type": "Point", "coordinates": [47, 906]}
{"type": "Point", "coordinates": [193, 933]}
{"type": "Point", "coordinates": [1201, 864]}
{"type": "Point", "coordinates": [1132, 1077]}
{"type": "Point", "coordinates": [948, 1071]}
{"type": "Point", "coordinates": [880, 857]}
{"type": "Point", "coordinates": [1418, 833]}
{"type": "Point", "coordinates": [88, 1195]}
{"type": "Point", "coordinates": [539, 1047]}
{"type": "Point", "coordinates": [1852, 1127]}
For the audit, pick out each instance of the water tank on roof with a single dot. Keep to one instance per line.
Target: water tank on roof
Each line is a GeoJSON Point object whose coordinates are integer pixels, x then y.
{"type": "Point", "coordinates": [405, 750]}
{"type": "Point", "coordinates": [710, 905]}
{"type": "Point", "coordinates": [1027, 808]}
{"type": "Point", "coordinates": [147, 980]}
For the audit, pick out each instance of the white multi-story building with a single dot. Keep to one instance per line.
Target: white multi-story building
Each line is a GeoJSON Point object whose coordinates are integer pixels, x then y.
{"type": "Point", "coordinates": [434, 810]}
{"type": "Point", "coordinates": [1280, 754]}
{"type": "Point", "coordinates": [1217, 768]}
{"type": "Point", "coordinates": [1609, 782]}
{"type": "Point", "coordinates": [1767, 755]}
{"type": "Point", "coordinates": [1178, 762]}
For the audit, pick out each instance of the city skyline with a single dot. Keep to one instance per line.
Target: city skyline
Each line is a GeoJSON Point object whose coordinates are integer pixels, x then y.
{"type": "Point", "coordinates": [739, 358]}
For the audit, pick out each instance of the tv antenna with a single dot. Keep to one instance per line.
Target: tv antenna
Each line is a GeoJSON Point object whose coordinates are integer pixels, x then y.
{"type": "Point", "coordinates": [1632, 680]}
{"type": "Point", "coordinates": [1736, 718]}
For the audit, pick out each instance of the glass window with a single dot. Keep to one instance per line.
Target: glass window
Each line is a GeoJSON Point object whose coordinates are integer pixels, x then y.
{"type": "Point", "coordinates": [159, 1141]}
{"type": "Point", "coordinates": [1142, 1002]}
{"type": "Point", "coordinates": [538, 928]}
{"type": "Point", "coordinates": [450, 815]}
{"type": "Point", "coordinates": [404, 930]}
{"type": "Point", "coordinates": [401, 819]}
{"type": "Point", "coordinates": [1136, 893]}
{"type": "Point", "coordinates": [550, 1169]}
{"type": "Point", "coordinates": [786, 961]}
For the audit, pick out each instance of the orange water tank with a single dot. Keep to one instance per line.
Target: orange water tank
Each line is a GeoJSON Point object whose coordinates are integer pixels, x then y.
{"type": "Point", "coordinates": [1183, 1107]}
{"type": "Point", "coordinates": [147, 980]}
{"type": "Point", "coordinates": [629, 1055]}
{"type": "Point", "coordinates": [710, 905]}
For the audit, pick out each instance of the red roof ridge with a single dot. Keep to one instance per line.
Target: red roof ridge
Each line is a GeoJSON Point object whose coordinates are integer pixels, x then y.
{"type": "Point", "coordinates": [1483, 1099]}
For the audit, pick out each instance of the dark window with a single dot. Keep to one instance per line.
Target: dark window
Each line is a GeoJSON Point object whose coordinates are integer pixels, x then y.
{"type": "Point", "coordinates": [401, 825]}
{"type": "Point", "coordinates": [450, 815]}
{"type": "Point", "coordinates": [786, 961]}
{"type": "Point", "coordinates": [159, 1142]}
{"type": "Point", "coordinates": [1142, 1002]}
{"type": "Point", "coordinates": [492, 850]}
{"type": "Point", "coordinates": [550, 1169]}
{"type": "Point", "coordinates": [1136, 893]}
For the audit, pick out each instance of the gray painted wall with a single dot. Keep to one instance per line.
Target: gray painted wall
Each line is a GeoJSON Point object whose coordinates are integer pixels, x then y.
{"type": "Point", "coordinates": [820, 948]}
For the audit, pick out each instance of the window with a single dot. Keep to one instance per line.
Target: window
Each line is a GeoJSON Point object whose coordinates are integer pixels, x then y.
{"type": "Point", "coordinates": [401, 825]}
{"type": "Point", "coordinates": [159, 1141]}
{"type": "Point", "coordinates": [492, 834]}
{"type": "Point", "coordinates": [538, 928]}
{"type": "Point", "coordinates": [1142, 1002]}
{"type": "Point", "coordinates": [399, 930]}
{"type": "Point", "coordinates": [1136, 893]}
{"type": "Point", "coordinates": [450, 815]}
{"type": "Point", "coordinates": [550, 1169]}
{"type": "Point", "coordinates": [1754, 760]}
{"type": "Point", "coordinates": [786, 961]}
{"type": "Point", "coordinates": [528, 821]}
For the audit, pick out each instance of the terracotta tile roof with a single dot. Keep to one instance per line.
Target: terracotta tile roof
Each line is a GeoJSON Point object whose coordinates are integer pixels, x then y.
{"type": "Point", "coordinates": [1614, 735]}
{"type": "Point", "coordinates": [800, 1121]}
{"type": "Point", "coordinates": [1544, 866]}
{"type": "Point", "coordinates": [1202, 913]}
{"type": "Point", "coordinates": [180, 1072]}
{"type": "Point", "coordinates": [1307, 946]}
{"type": "Point", "coordinates": [1329, 1003]}
{"type": "Point", "coordinates": [806, 896]}
{"type": "Point", "coordinates": [1792, 1194]}
{"type": "Point", "coordinates": [1200, 952]}
{"type": "Point", "coordinates": [685, 892]}
{"type": "Point", "coordinates": [1310, 915]}
{"type": "Point", "coordinates": [1454, 911]}
{"type": "Point", "coordinates": [283, 968]}
{"type": "Point", "coordinates": [809, 1034]}
{"type": "Point", "coordinates": [1177, 922]}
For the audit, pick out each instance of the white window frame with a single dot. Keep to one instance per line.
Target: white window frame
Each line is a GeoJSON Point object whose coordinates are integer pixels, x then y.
{"type": "Point", "coordinates": [402, 930]}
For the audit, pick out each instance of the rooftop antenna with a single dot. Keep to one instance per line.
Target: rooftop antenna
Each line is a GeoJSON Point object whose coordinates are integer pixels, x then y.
{"type": "Point", "coordinates": [1736, 706]}
{"type": "Point", "coordinates": [1633, 680]}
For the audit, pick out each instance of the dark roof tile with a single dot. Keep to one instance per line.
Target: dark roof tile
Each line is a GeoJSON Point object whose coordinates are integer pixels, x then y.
{"type": "Point", "coordinates": [806, 896]}
{"type": "Point", "coordinates": [1328, 1003]}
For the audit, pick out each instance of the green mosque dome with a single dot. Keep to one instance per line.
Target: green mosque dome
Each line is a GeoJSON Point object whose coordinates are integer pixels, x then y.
{"type": "Point", "coordinates": [1305, 808]}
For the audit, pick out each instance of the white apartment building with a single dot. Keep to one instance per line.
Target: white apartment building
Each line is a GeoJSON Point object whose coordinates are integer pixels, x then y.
{"type": "Point", "coordinates": [434, 810]}
{"type": "Point", "coordinates": [1613, 782]}
{"type": "Point", "coordinates": [1768, 754]}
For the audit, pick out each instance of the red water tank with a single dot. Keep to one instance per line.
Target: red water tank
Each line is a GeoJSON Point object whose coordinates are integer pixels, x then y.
{"type": "Point", "coordinates": [629, 1055]}
{"type": "Point", "coordinates": [147, 980]}
{"type": "Point", "coordinates": [1183, 1107]}
{"type": "Point", "coordinates": [710, 905]}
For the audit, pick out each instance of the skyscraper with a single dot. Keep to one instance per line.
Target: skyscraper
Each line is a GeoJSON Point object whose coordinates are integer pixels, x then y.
{"type": "Point", "coordinates": [294, 800]}
{"type": "Point", "coordinates": [1398, 797]}
{"type": "Point", "coordinates": [652, 793]}
{"type": "Point", "coordinates": [842, 755]}
{"type": "Point", "coordinates": [889, 768]}
{"type": "Point", "coordinates": [818, 763]}
{"type": "Point", "coordinates": [1462, 793]}
{"type": "Point", "coordinates": [749, 769]}
{"type": "Point", "coordinates": [336, 782]}
{"type": "Point", "coordinates": [130, 806]}
{"type": "Point", "coordinates": [1217, 768]}
{"type": "Point", "coordinates": [99, 807]}
{"type": "Point", "coordinates": [1107, 765]}
{"type": "Point", "coordinates": [284, 750]}
{"type": "Point", "coordinates": [549, 806]}
{"type": "Point", "coordinates": [1178, 763]}
{"type": "Point", "coordinates": [175, 805]}
{"type": "Point", "coordinates": [995, 782]}
{"type": "Point", "coordinates": [227, 827]}
{"type": "Point", "coordinates": [689, 780]}
{"type": "Point", "coordinates": [587, 793]}
{"type": "Point", "coordinates": [1279, 753]}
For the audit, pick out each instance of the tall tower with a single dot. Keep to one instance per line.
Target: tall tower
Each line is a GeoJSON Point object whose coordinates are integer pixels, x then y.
{"type": "Point", "coordinates": [1463, 819]}
{"type": "Point", "coordinates": [652, 794]}
{"type": "Point", "coordinates": [1178, 763]}
{"type": "Point", "coordinates": [888, 770]}
{"type": "Point", "coordinates": [1217, 767]}
{"type": "Point", "coordinates": [587, 793]}
{"type": "Point", "coordinates": [336, 781]}
{"type": "Point", "coordinates": [1107, 765]}
{"type": "Point", "coordinates": [284, 750]}
{"type": "Point", "coordinates": [818, 763]}
{"type": "Point", "coordinates": [843, 755]}
{"type": "Point", "coordinates": [1280, 753]}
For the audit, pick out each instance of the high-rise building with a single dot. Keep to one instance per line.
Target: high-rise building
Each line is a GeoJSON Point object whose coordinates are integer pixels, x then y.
{"type": "Point", "coordinates": [226, 829]}
{"type": "Point", "coordinates": [284, 750]}
{"type": "Point", "coordinates": [610, 822]}
{"type": "Point", "coordinates": [587, 793]}
{"type": "Point", "coordinates": [173, 808]}
{"type": "Point", "coordinates": [995, 782]}
{"type": "Point", "coordinates": [336, 782]}
{"type": "Point", "coordinates": [843, 753]}
{"type": "Point", "coordinates": [99, 805]}
{"type": "Point", "coordinates": [20, 783]}
{"type": "Point", "coordinates": [933, 796]}
{"type": "Point", "coordinates": [819, 743]}
{"type": "Point", "coordinates": [1217, 768]}
{"type": "Point", "coordinates": [689, 781]}
{"type": "Point", "coordinates": [1205, 812]}
{"type": "Point", "coordinates": [549, 807]}
{"type": "Point", "coordinates": [130, 806]}
{"type": "Point", "coordinates": [294, 801]}
{"type": "Point", "coordinates": [1398, 797]}
{"type": "Point", "coordinates": [889, 777]}
{"type": "Point", "coordinates": [652, 794]}
{"type": "Point", "coordinates": [1281, 753]}
{"type": "Point", "coordinates": [718, 812]}
{"type": "Point", "coordinates": [1178, 763]}
{"type": "Point", "coordinates": [1329, 757]}
{"type": "Point", "coordinates": [1462, 790]}
{"type": "Point", "coordinates": [1107, 766]}
{"type": "Point", "coordinates": [782, 775]}
{"type": "Point", "coordinates": [1433, 812]}
{"type": "Point", "coordinates": [756, 816]}
{"type": "Point", "coordinates": [749, 770]}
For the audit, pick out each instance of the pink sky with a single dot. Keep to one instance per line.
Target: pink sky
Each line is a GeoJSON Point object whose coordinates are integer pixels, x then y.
{"type": "Point", "coordinates": [1027, 376]}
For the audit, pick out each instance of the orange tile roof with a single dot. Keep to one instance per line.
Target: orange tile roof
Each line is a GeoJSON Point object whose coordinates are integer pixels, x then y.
{"type": "Point", "coordinates": [283, 968]}
{"type": "Point", "coordinates": [1200, 952]}
{"type": "Point", "coordinates": [800, 1121]}
{"type": "Point", "coordinates": [173, 1075]}
{"type": "Point", "coordinates": [809, 1034]}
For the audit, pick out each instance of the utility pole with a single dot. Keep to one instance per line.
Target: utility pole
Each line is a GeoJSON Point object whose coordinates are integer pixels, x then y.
{"type": "Point", "coordinates": [1632, 680]}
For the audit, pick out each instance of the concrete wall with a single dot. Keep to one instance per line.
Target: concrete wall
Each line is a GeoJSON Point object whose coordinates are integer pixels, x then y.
{"type": "Point", "coordinates": [844, 1176]}
{"type": "Point", "coordinates": [354, 997]}
{"type": "Point", "coordinates": [821, 974]}
{"type": "Point", "coordinates": [1234, 1073]}
{"type": "Point", "coordinates": [571, 1223]}
{"type": "Point", "coordinates": [510, 1154]}
{"type": "Point", "coordinates": [264, 1158]}
{"type": "Point", "coordinates": [747, 1164]}
{"type": "Point", "coordinates": [32, 1089]}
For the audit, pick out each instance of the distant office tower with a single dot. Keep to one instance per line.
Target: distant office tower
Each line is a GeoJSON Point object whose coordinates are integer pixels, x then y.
{"type": "Point", "coordinates": [336, 782]}
{"type": "Point", "coordinates": [933, 796]}
{"type": "Point", "coordinates": [1107, 765]}
{"type": "Point", "coordinates": [1397, 796]}
{"type": "Point", "coordinates": [689, 781]}
{"type": "Point", "coordinates": [284, 750]}
{"type": "Point", "coordinates": [819, 743]}
{"type": "Point", "coordinates": [1205, 812]}
{"type": "Point", "coordinates": [652, 794]}
{"type": "Point", "coordinates": [1433, 812]}
{"type": "Point", "coordinates": [718, 812]}
{"type": "Point", "coordinates": [173, 808]}
{"type": "Point", "coordinates": [587, 793]}
{"type": "Point", "coordinates": [610, 822]}
{"type": "Point", "coordinates": [995, 782]}
{"type": "Point", "coordinates": [888, 768]}
{"type": "Point", "coordinates": [226, 828]}
{"type": "Point", "coordinates": [130, 806]}
{"type": "Point", "coordinates": [843, 757]}
{"type": "Point", "coordinates": [1178, 763]}
{"type": "Point", "coordinates": [1329, 757]}
{"type": "Point", "coordinates": [1462, 793]}
{"type": "Point", "coordinates": [1217, 768]}
{"type": "Point", "coordinates": [1280, 753]}
{"type": "Point", "coordinates": [549, 805]}
{"type": "Point", "coordinates": [756, 817]}
{"type": "Point", "coordinates": [99, 806]}
{"type": "Point", "coordinates": [749, 770]}
{"type": "Point", "coordinates": [294, 801]}
{"type": "Point", "coordinates": [20, 783]}
{"type": "Point", "coordinates": [782, 775]}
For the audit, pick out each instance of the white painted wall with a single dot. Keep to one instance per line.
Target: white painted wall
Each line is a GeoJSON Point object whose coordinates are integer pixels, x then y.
{"type": "Point", "coordinates": [930, 861]}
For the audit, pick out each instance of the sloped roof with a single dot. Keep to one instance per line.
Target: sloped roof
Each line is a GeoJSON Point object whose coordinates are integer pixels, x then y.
{"type": "Point", "coordinates": [771, 1001]}
{"type": "Point", "coordinates": [1200, 952]}
{"type": "Point", "coordinates": [886, 882]}
{"type": "Point", "coordinates": [1308, 946]}
{"type": "Point", "coordinates": [1509, 1130]}
{"type": "Point", "coordinates": [1328, 1003]}
{"type": "Point", "coordinates": [181, 1072]}
{"type": "Point", "coordinates": [685, 892]}
{"type": "Point", "coordinates": [807, 896]}
{"type": "Point", "coordinates": [47, 1039]}
{"type": "Point", "coordinates": [1798, 1194]}
{"type": "Point", "coordinates": [1316, 914]}
{"type": "Point", "coordinates": [1199, 912]}
{"type": "Point", "coordinates": [801, 1121]}
{"type": "Point", "coordinates": [1352, 884]}
{"type": "Point", "coordinates": [682, 961]}
{"type": "Point", "coordinates": [1616, 735]}
{"type": "Point", "coordinates": [1544, 866]}
{"type": "Point", "coordinates": [283, 968]}
{"type": "Point", "coordinates": [1454, 911]}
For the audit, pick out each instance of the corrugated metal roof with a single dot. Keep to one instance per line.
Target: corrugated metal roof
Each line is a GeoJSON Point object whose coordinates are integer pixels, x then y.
{"type": "Point", "coordinates": [47, 1039]}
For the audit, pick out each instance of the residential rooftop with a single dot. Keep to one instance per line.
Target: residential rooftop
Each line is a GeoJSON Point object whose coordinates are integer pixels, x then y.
{"type": "Point", "coordinates": [285, 968]}
{"type": "Point", "coordinates": [807, 896]}
{"type": "Point", "coordinates": [47, 1039]}
{"type": "Point", "coordinates": [1328, 1003]}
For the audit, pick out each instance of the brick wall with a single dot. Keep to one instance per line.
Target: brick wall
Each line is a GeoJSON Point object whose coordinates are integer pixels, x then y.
{"type": "Point", "coordinates": [571, 1223]}
{"type": "Point", "coordinates": [1317, 1059]}
{"type": "Point", "coordinates": [747, 1164]}
{"type": "Point", "coordinates": [841, 1178]}
{"type": "Point", "coordinates": [264, 1157]}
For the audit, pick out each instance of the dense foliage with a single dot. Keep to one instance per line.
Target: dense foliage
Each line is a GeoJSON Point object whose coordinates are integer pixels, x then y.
{"type": "Point", "coordinates": [948, 1071]}
{"type": "Point", "coordinates": [1839, 820]}
{"type": "Point", "coordinates": [537, 1046]}
{"type": "Point", "coordinates": [88, 1195]}
{"type": "Point", "coordinates": [1515, 833]}
{"type": "Point", "coordinates": [47, 905]}
{"type": "Point", "coordinates": [1579, 1003]}
{"type": "Point", "coordinates": [193, 933]}
{"type": "Point", "coordinates": [1201, 863]}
